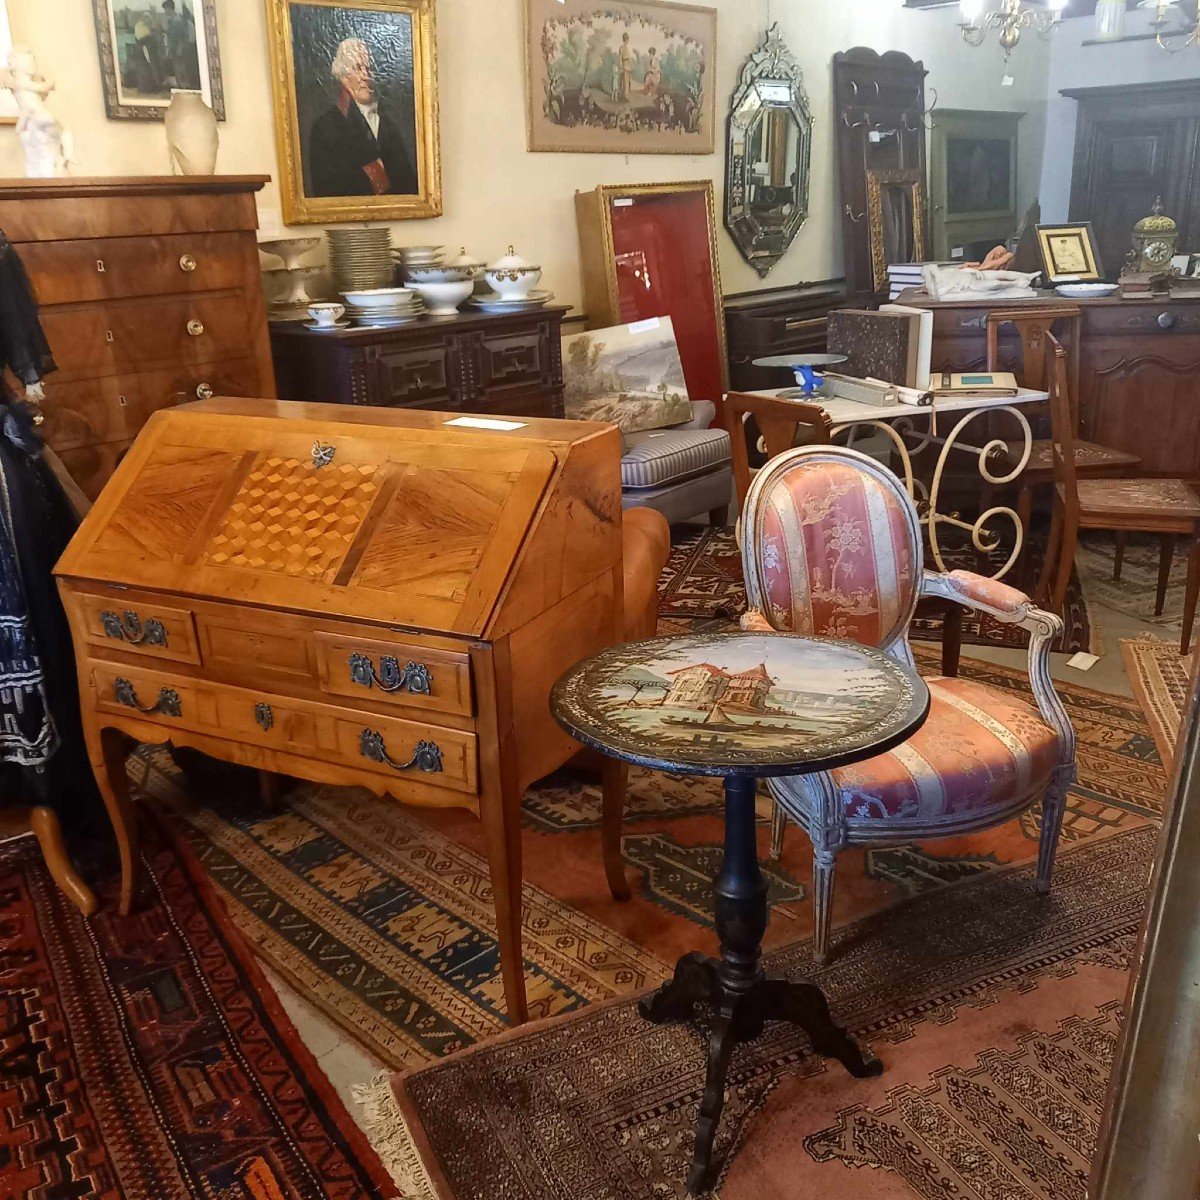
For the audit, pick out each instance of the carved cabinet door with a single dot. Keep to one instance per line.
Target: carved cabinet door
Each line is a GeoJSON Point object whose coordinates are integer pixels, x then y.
{"type": "Point", "coordinates": [1146, 403]}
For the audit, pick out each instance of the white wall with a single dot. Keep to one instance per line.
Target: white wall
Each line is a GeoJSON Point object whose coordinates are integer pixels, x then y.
{"type": "Point", "coordinates": [1074, 65]}
{"type": "Point", "coordinates": [496, 192]}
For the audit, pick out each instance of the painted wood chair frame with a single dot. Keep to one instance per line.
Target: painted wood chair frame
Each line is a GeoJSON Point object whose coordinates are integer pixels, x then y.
{"type": "Point", "coordinates": [815, 802]}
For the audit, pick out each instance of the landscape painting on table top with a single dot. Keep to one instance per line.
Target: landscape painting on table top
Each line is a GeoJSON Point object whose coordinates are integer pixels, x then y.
{"type": "Point", "coordinates": [755, 692]}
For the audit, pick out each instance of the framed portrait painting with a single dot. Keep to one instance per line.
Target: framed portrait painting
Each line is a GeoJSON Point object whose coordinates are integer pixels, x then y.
{"type": "Point", "coordinates": [1069, 253]}
{"type": "Point", "coordinates": [620, 78]}
{"type": "Point", "coordinates": [148, 48]}
{"type": "Point", "coordinates": [356, 113]}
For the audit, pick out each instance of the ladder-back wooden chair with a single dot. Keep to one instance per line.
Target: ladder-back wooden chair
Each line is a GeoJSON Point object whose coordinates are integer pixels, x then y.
{"type": "Point", "coordinates": [1167, 507]}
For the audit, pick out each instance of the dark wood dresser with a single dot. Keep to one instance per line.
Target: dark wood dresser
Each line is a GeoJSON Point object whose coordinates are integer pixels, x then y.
{"type": "Point", "coordinates": [473, 363]}
{"type": "Point", "coordinates": [1139, 380]}
{"type": "Point", "coordinates": [350, 596]}
{"type": "Point", "coordinates": [780, 321]}
{"type": "Point", "coordinates": [151, 295]}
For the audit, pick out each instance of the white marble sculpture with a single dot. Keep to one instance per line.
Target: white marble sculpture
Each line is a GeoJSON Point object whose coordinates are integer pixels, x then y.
{"type": "Point", "coordinates": [970, 283]}
{"type": "Point", "coordinates": [47, 144]}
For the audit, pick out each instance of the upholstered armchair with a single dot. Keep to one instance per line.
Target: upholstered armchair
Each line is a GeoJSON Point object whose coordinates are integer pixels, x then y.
{"type": "Point", "coordinates": [831, 545]}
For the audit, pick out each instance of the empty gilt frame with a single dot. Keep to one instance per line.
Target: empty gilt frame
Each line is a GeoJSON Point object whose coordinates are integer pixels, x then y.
{"type": "Point", "coordinates": [328, 120]}
{"type": "Point", "coordinates": [877, 183]}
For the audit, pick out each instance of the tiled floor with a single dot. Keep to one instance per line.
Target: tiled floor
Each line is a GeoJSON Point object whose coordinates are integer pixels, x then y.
{"type": "Point", "coordinates": [347, 1064]}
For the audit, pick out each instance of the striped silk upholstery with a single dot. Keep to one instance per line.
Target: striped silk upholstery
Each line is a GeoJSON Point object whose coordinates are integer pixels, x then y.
{"type": "Point", "coordinates": [979, 750]}
{"type": "Point", "coordinates": [655, 459]}
{"type": "Point", "coordinates": [835, 554]}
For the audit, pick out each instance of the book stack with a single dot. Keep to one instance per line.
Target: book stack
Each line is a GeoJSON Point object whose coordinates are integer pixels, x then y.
{"type": "Point", "coordinates": [902, 276]}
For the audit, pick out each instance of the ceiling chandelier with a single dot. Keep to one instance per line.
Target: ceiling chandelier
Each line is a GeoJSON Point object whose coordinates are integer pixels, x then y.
{"type": "Point", "coordinates": [1011, 19]}
{"type": "Point", "coordinates": [1164, 11]}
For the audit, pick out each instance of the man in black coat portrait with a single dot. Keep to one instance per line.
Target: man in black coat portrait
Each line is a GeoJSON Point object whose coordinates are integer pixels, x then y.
{"type": "Point", "coordinates": [355, 148]}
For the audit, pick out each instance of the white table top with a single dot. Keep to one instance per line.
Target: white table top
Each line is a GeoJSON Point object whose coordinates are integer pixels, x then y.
{"type": "Point", "coordinates": [845, 412]}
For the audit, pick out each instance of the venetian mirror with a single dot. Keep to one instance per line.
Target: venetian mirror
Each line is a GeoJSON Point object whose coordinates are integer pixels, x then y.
{"type": "Point", "coordinates": [769, 150]}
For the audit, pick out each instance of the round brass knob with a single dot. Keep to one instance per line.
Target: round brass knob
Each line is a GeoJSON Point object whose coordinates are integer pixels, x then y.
{"type": "Point", "coordinates": [187, 263]}
{"type": "Point", "coordinates": [195, 327]}
{"type": "Point", "coordinates": [204, 391]}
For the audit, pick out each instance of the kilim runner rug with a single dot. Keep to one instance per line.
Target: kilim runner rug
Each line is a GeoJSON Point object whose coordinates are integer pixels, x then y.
{"type": "Point", "coordinates": [1161, 679]}
{"type": "Point", "coordinates": [147, 1057]}
{"type": "Point", "coordinates": [1134, 593]}
{"type": "Point", "coordinates": [993, 1009]}
{"type": "Point", "coordinates": [382, 914]}
{"type": "Point", "coordinates": [703, 579]}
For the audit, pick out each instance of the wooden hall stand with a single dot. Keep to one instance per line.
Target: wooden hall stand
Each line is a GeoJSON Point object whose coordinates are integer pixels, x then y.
{"type": "Point", "coordinates": [351, 596]}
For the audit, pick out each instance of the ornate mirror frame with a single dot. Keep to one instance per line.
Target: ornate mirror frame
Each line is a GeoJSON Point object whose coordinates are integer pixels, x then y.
{"type": "Point", "coordinates": [877, 183]}
{"type": "Point", "coordinates": [771, 80]}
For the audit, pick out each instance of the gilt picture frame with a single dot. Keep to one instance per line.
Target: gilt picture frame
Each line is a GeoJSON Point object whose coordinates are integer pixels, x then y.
{"type": "Point", "coordinates": [1070, 253]}
{"type": "Point", "coordinates": [356, 109]}
{"type": "Point", "coordinates": [611, 77]}
{"type": "Point", "coordinates": [150, 47]}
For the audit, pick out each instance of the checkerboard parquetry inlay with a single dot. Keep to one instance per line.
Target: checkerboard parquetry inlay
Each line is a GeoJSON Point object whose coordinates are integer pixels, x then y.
{"type": "Point", "coordinates": [294, 518]}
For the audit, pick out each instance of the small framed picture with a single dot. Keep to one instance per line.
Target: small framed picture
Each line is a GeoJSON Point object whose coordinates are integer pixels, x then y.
{"type": "Point", "coordinates": [149, 47]}
{"type": "Point", "coordinates": [1069, 253]}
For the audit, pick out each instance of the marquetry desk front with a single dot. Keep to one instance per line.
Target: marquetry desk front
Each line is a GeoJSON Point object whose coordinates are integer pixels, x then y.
{"type": "Point", "coordinates": [359, 597]}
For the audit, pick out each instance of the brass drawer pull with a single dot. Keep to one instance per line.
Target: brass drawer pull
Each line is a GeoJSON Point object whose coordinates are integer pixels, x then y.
{"type": "Point", "coordinates": [415, 677]}
{"type": "Point", "coordinates": [426, 756]}
{"type": "Point", "coordinates": [187, 263]}
{"type": "Point", "coordinates": [204, 391]}
{"type": "Point", "coordinates": [195, 327]}
{"type": "Point", "coordinates": [264, 716]}
{"type": "Point", "coordinates": [1166, 320]}
{"type": "Point", "coordinates": [129, 628]}
{"type": "Point", "coordinates": [168, 702]}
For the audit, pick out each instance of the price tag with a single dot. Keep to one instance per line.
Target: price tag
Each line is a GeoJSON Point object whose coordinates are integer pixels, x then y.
{"type": "Point", "coordinates": [492, 423]}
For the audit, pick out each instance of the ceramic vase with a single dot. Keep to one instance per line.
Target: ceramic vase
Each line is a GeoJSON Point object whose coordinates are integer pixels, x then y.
{"type": "Point", "coordinates": [191, 134]}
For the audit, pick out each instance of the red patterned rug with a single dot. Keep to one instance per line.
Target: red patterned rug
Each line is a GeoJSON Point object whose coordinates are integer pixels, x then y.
{"type": "Point", "coordinates": [703, 579]}
{"type": "Point", "coordinates": [148, 1057]}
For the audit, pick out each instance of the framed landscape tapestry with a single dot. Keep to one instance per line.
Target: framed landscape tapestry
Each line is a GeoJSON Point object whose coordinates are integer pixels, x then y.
{"type": "Point", "coordinates": [614, 78]}
{"type": "Point", "coordinates": [150, 47]}
{"type": "Point", "coordinates": [356, 111]}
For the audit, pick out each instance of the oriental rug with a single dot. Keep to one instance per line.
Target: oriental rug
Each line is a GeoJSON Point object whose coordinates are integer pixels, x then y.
{"type": "Point", "coordinates": [1134, 593]}
{"type": "Point", "coordinates": [993, 1009]}
{"type": "Point", "coordinates": [1161, 679]}
{"type": "Point", "coordinates": [147, 1056]}
{"type": "Point", "coordinates": [382, 914]}
{"type": "Point", "coordinates": [703, 579]}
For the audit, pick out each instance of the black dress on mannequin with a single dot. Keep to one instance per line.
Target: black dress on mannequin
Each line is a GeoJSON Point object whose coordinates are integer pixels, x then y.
{"type": "Point", "coordinates": [43, 759]}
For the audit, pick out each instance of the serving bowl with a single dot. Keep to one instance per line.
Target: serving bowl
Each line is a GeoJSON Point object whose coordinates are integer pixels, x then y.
{"type": "Point", "coordinates": [446, 274]}
{"type": "Point", "coordinates": [384, 297]}
{"type": "Point", "coordinates": [1086, 291]}
{"type": "Point", "coordinates": [443, 299]}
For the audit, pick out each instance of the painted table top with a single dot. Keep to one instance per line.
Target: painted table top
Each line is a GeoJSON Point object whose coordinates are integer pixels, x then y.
{"type": "Point", "coordinates": [740, 703]}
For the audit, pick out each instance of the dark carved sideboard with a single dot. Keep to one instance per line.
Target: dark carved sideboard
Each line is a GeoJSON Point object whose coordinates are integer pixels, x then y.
{"type": "Point", "coordinates": [473, 362]}
{"type": "Point", "coordinates": [1139, 383]}
{"type": "Point", "coordinates": [779, 321]}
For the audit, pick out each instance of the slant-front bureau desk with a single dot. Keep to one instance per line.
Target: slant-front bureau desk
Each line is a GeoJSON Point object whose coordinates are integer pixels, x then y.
{"type": "Point", "coordinates": [351, 596]}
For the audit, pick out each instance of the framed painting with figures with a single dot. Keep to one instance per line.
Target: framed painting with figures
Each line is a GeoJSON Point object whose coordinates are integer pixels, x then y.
{"type": "Point", "coordinates": [620, 78]}
{"type": "Point", "coordinates": [149, 48]}
{"type": "Point", "coordinates": [356, 112]}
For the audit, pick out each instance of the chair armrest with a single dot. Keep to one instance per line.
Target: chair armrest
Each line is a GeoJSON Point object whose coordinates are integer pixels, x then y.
{"type": "Point", "coordinates": [703, 414]}
{"type": "Point", "coordinates": [1013, 607]}
{"type": "Point", "coordinates": [1005, 603]}
{"type": "Point", "coordinates": [755, 622]}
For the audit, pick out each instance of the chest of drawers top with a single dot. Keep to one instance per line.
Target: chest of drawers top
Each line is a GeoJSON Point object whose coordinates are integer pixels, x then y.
{"type": "Point", "coordinates": [394, 519]}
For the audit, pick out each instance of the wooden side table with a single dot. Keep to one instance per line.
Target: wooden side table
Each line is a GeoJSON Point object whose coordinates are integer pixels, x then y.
{"type": "Point", "coordinates": [742, 706]}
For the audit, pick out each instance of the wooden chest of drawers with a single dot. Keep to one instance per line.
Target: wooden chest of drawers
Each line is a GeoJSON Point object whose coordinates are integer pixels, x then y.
{"type": "Point", "coordinates": [151, 295]}
{"type": "Point", "coordinates": [474, 362]}
{"type": "Point", "coordinates": [351, 596]}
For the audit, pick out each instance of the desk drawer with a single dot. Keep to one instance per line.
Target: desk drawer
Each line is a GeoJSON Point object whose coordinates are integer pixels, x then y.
{"type": "Point", "coordinates": [406, 674]}
{"type": "Point", "coordinates": [414, 375]}
{"type": "Point", "coordinates": [139, 627]}
{"type": "Point", "coordinates": [131, 691]}
{"type": "Point", "coordinates": [109, 268]}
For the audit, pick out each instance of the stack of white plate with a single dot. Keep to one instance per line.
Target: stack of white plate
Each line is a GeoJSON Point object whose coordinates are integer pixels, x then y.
{"type": "Point", "coordinates": [407, 257]}
{"type": "Point", "coordinates": [492, 302]}
{"type": "Point", "coordinates": [360, 259]}
{"type": "Point", "coordinates": [383, 308]}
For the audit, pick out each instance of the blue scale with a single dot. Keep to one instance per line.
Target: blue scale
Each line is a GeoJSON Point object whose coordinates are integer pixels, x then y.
{"type": "Point", "coordinates": [805, 368]}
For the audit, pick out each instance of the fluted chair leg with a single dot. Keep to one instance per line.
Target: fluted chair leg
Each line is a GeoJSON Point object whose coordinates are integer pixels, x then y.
{"type": "Point", "coordinates": [1054, 806]}
{"type": "Point", "coordinates": [778, 828]}
{"type": "Point", "coordinates": [824, 866]}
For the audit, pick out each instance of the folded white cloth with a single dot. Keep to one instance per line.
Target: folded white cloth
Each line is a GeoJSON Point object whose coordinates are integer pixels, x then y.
{"type": "Point", "coordinates": [969, 283]}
